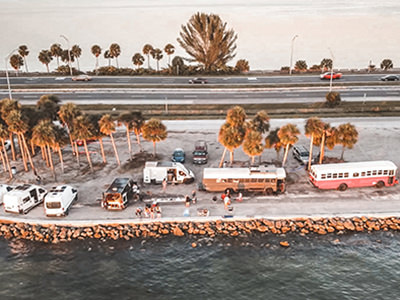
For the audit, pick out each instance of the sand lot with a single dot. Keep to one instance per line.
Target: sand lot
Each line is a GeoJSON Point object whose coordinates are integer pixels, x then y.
{"type": "Point", "coordinates": [378, 139]}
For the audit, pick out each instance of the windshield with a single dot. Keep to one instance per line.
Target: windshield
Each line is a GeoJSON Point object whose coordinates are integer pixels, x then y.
{"type": "Point", "coordinates": [53, 204]}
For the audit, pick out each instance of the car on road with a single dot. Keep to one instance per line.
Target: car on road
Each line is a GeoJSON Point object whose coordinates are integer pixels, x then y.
{"type": "Point", "coordinates": [390, 78]}
{"type": "Point", "coordinates": [88, 141]}
{"type": "Point", "coordinates": [82, 77]}
{"type": "Point", "coordinates": [198, 80]}
{"type": "Point", "coordinates": [327, 75]}
{"type": "Point", "coordinates": [178, 155]}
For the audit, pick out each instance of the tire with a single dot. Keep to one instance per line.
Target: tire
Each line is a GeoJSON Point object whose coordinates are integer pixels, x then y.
{"type": "Point", "coordinates": [342, 187]}
{"type": "Point", "coordinates": [380, 184]}
{"type": "Point", "coordinates": [269, 191]}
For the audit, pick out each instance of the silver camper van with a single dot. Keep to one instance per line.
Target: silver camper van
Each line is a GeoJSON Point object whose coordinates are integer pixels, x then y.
{"type": "Point", "coordinates": [23, 198]}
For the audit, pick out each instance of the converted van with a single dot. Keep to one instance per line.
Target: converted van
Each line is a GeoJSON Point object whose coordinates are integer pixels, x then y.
{"type": "Point", "coordinates": [117, 196]}
{"type": "Point", "coordinates": [59, 200]}
{"type": "Point", "coordinates": [23, 198]}
{"type": "Point", "coordinates": [173, 172]}
{"type": "Point", "coordinates": [5, 188]}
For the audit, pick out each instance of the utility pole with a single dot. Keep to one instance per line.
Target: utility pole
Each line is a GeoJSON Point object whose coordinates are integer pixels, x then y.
{"type": "Point", "coordinates": [291, 54]}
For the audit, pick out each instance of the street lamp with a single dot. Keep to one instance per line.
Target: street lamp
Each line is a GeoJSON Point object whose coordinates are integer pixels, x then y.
{"type": "Point", "coordinates": [291, 54]}
{"type": "Point", "coordinates": [330, 83]}
{"type": "Point", "coordinates": [69, 53]}
{"type": "Point", "coordinates": [8, 79]}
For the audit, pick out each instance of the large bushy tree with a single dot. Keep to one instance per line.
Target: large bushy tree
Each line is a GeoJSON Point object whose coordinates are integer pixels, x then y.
{"type": "Point", "coordinates": [207, 40]}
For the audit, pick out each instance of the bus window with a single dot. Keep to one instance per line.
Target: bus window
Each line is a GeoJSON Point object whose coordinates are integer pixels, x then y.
{"type": "Point", "coordinates": [329, 175]}
{"type": "Point", "coordinates": [229, 180]}
{"type": "Point", "coordinates": [391, 172]}
{"type": "Point", "coordinates": [385, 172]}
{"type": "Point", "coordinates": [368, 173]}
{"type": "Point", "coordinates": [380, 172]}
{"type": "Point", "coordinates": [356, 174]}
{"type": "Point", "coordinates": [374, 172]}
{"type": "Point", "coordinates": [273, 180]}
{"type": "Point", "coordinates": [362, 173]}
{"type": "Point", "coordinates": [253, 180]}
{"type": "Point", "coordinates": [340, 175]}
{"type": "Point", "coordinates": [260, 180]}
{"type": "Point", "coordinates": [334, 175]}
{"type": "Point", "coordinates": [346, 175]}
{"type": "Point", "coordinates": [323, 176]}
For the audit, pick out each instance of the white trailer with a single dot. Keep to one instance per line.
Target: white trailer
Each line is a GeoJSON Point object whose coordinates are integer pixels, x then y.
{"type": "Point", "coordinates": [5, 188]}
{"type": "Point", "coordinates": [23, 198]}
{"type": "Point", "coordinates": [59, 200]}
{"type": "Point", "coordinates": [173, 172]}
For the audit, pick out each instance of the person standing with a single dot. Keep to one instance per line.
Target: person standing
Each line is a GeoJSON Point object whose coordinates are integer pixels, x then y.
{"type": "Point", "coordinates": [187, 201]}
{"type": "Point", "coordinates": [164, 184]}
{"type": "Point", "coordinates": [194, 198]}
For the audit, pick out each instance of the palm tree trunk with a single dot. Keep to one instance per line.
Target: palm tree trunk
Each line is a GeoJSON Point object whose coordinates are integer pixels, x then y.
{"type": "Point", "coordinates": [97, 64]}
{"type": "Point", "coordinates": [12, 147]}
{"type": "Point", "coordinates": [77, 63]}
{"type": "Point", "coordinates": [341, 156]}
{"type": "Point", "coordinates": [222, 158]}
{"type": "Point", "coordinates": [58, 63]}
{"type": "Point", "coordinates": [45, 156]}
{"type": "Point", "coordinates": [158, 65]}
{"type": "Point", "coordinates": [61, 159]}
{"type": "Point", "coordinates": [230, 158]}
{"type": "Point", "coordinates": [6, 157]}
{"type": "Point", "coordinates": [88, 155]}
{"type": "Point", "coordinates": [154, 149]}
{"type": "Point", "coordinates": [21, 148]}
{"type": "Point", "coordinates": [3, 160]}
{"type": "Point", "coordinates": [102, 150]}
{"type": "Point", "coordinates": [128, 137]}
{"type": "Point", "coordinates": [28, 153]}
{"type": "Point", "coordinates": [115, 149]}
{"type": "Point", "coordinates": [322, 152]}
{"type": "Point", "coordinates": [138, 140]}
{"type": "Point", "coordinates": [252, 160]}
{"type": "Point", "coordinates": [32, 148]}
{"type": "Point", "coordinates": [116, 59]}
{"type": "Point", "coordinates": [285, 155]}
{"type": "Point", "coordinates": [51, 162]}
{"type": "Point", "coordinates": [47, 67]}
{"type": "Point", "coordinates": [148, 61]}
{"type": "Point", "coordinates": [311, 148]}
{"type": "Point", "coordinates": [77, 154]}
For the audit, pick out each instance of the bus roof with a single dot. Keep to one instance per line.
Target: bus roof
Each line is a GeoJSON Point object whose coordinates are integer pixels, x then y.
{"type": "Point", "coordinates": [355, 166]}
{"type": "Point", "coordinates": [260, 172]}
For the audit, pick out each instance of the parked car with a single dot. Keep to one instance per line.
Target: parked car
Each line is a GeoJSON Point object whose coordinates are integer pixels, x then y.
{"type": "Point", "coordinates": [82, 77]}
{"type": "Point", "coordinates": [198, 80]}
{"type": "Point", "coordinates": [327, 75]}
{"type": "Point", "coordinates": [200, 154]}
{"type": "Point", "coordinates": [88, 141]}
{"type": "Point", "coordinates": [178, 155]}
{"type": "Point", "coordinates": [7, 145]}
{"type": "Point", "coordinates": [390, 78]}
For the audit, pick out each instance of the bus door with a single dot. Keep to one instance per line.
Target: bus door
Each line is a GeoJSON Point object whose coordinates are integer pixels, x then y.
{"type": "Point", "coordinates": [281, 186]}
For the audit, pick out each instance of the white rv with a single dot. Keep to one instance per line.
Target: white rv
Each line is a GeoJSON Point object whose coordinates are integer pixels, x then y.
{"type": "Point", "coordinates": [173, 172]}
{"type": "Point", "coordinates": [4, 188]}
{"type": "Point", "coordinates": [23, 198]}
{"type": "Point", "coordinates": [59, 200]}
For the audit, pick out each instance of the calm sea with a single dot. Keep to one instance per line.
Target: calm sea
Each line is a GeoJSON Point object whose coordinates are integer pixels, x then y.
{"type": "Point", "coordinates": [357, 31]}
{"type": "Point", "coordinates": [357, 266]}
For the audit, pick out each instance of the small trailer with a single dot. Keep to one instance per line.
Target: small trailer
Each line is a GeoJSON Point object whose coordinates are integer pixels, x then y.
{"type": "Point", "coordinates": [59, 200]}
{"type": "Point", "coordinates": [173, 172]}
{"type": "Point", "coordinates": [117, 196]}
{"type": "Point", "coordinates": [23, 198]}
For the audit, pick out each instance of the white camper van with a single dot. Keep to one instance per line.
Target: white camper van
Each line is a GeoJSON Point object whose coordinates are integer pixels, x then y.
{"type": "Point", "coordinates": [23, 198]}
{"type": "Point", "coordinates": [5, 188]}
{"type": "Point", "coordinates": [59, 200]}
{"type": "Point", "coordinates": [171, 171]}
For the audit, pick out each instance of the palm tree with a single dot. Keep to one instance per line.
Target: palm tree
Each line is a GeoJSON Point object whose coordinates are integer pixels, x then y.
{"type": "Point", "coordinates": [67, 114]}
{"type": "Point", "coordinates": [45, 58]}
{"type": "Point", "coordinates": [76, 51]}
{"type": "Point", "coordinates": [347, 136]}
{"type": "Point", "coordinates": [300, 65]}
{"type": "Point", "coordinates": [236, 116]}
{"type": "Point", "coordinates": [6, 107]}
{"type": "Point", "coordinates": [48, 106]}
{"type": "Point", "coordinates": [252, 145]}
{"type": "Point", "coordinates": [107, 55]}
{"type": "Point", "coordinates": [137, 123]}
{"type": "Point", "coordinates": [61, 140]}
{"type": "Point", "coordinates": [4, 134]}
{"type": "Point", "coordinates": [260, 122]}
{"type": "Point", "coordinates": [326, 64]}
{"type": "Point", "coordinates": [169, 49]}
{"type": "Point", "coordinates": [43, 135]}
{"type": "Point", "coordinates": [127, 120]}
{"type": "Point", "coordinates": [288, 137]}
{"type": "Point", "coordinates": [24, 52]}
{"type": "Point", "coordinates": [137, 60]}
{"type": "Point", "coordinates": [83, 130]}
{"type": "Point", "coordinates": [16, 61]}
{"type": "Point", "coordinates": [386, 64]}
{"type": "Point", "coordinates": [155, 131]}
{"type": "Point", "coordinates": [107, 127]}
{"type": "Point", "coordinates": [157, 55]}
{"type": "Point", "coordinates": [56, 51]}
{"type": "Point", "coordinates": [96, 51]}
{"type": "Point", "coordinates": [314, 128]}
{"type": "Point", "coordinates": [115, 51]}
{"type": "Point", "coordinates": [231, 137]}
{"type": "Point", "coordinates": [65, 57]}
{"type": "Point", "coordinates": [146, 51]}
{"type": "Point", "coordinates": [96, 133]}
{"type": "Point", "coordinates": [272, 140]}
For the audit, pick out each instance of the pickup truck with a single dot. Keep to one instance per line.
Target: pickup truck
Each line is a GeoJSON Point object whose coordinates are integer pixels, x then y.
{"type": "Point", "coordinates": [200, 154]}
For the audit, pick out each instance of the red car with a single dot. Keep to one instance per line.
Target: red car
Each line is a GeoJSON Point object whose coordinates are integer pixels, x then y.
{"type": "Point", "coordinates": [327, 75]}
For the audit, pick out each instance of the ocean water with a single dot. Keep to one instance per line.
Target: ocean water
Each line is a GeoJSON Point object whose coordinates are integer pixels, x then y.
{"type": "Point", "coordinates": [356, 266]}
{"type": "Point", "coordinates": [357, 31]}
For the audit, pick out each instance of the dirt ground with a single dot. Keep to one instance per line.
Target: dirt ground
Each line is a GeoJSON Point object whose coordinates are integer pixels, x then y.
{"type": "Point", "coordinates": [378, 140]}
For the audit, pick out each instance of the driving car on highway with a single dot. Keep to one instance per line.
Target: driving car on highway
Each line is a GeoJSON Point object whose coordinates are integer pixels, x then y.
{"type": "Point", "coordinates": [198, 80]}
{"type": "Point", "coordinates": [327, 75]}
{"type": "Point", "coordinates": [390, 78]}
{"type": "Point", "coordinates": [82, 77]}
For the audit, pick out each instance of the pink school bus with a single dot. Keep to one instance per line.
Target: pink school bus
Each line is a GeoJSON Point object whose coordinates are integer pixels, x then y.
{"type": "Point", "coordinates": [357, 174]}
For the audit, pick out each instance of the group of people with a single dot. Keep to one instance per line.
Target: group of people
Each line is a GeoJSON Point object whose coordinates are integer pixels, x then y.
{"type": "Point", "coordinates": [227, 198]}
{"type": "Point", "coordinates": [151, 211]}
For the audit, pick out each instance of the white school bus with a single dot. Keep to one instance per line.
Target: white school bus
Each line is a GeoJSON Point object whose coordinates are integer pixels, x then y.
{"type": "Point", "coordinates": [266, 179]}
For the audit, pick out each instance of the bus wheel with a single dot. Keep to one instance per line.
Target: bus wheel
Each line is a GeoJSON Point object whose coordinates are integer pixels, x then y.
{"type": "Point", "coordinates": [342, 187]}
{"type": "Point", "coordinates": [380, 184]}
{"type": "Point", "coordinates": [269, 191]}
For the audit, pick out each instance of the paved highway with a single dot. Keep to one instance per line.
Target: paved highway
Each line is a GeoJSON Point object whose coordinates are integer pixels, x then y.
{"type": "Point", "coordinates": [227, 80]}
{"type": "Point", "coordinates": [207, 96]}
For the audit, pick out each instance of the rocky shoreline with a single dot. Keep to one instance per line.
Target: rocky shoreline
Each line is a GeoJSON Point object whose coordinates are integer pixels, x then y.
{"type": "Point", "coordinates": [52, 233]}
